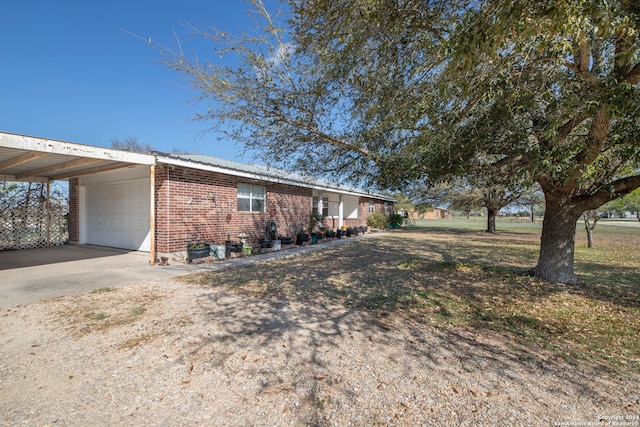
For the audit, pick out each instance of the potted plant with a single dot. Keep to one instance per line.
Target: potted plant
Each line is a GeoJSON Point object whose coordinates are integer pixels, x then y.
{"type": "Point", "coordinates": [197, 250]}
{"type": "Point", "coordinates": [231, 246]}
{"type": "Point", "coordinates": [266, 243]}
{"type": "Point", "coordinates": [395, 220]}
{"type": "Point", "coordinates": [302, 237]}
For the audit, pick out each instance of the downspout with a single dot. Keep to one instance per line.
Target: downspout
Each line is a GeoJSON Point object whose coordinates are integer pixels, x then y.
{"type": "Point", "coordinates": [48, 213]}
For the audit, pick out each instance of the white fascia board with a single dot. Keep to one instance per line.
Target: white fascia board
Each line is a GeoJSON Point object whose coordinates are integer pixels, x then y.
{"type": "Point", "coordinates": [258, 177]}
{"type": "Point", "coordinates": [22, 142]}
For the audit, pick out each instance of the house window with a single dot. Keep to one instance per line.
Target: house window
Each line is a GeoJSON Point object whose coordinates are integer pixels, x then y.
{"type": "Point", "coordinates": [372, 207]}
{"type": "Point", "coordinates": [251, 198]}
{"type": "Point", "coordinates": [325, 206]}
{"type": "Point", "coordinates": [386, 208]}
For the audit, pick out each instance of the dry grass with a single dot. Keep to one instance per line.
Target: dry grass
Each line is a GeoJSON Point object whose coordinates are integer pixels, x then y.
{"type": "Point", "coordinates": [92, 312]}
{"type": "Point", "coordinates": [468, 279]}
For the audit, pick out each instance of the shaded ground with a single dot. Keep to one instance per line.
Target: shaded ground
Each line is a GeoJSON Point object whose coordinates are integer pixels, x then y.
{"type": "Point", "coordinates": [175, 354]}
{"type": "Point", "coordinates": [435, 328]}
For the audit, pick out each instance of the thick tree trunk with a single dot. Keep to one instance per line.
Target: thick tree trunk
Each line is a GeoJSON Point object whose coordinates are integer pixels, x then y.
{"type": "Point", "coordinates": [491, 220]}
{"type": "Point", "coordinates": [558, 241]}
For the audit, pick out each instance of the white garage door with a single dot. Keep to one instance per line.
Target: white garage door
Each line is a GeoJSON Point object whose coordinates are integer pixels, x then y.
{"type": "Point", "coordinates": [117, 214]}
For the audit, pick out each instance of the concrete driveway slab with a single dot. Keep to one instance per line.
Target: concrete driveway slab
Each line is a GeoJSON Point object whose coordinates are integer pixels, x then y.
{"type": "Point", "coordinates": [30, 275]}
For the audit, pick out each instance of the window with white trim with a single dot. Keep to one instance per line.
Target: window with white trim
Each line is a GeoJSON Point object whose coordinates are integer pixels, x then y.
{"type": "Point", "coordinates": [372, 207]}
{"type": "Point", "coordinates": [386, 208]}
{"type": "Point", "coordinates": [251, 198]}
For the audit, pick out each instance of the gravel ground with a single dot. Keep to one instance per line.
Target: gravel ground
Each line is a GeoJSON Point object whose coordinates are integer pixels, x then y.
{"type": "Point", "coordinates": [166, 353]}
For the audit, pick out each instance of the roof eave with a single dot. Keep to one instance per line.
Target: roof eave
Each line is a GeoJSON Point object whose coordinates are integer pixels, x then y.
{"type": "Point", "coordinates": [260, 177]}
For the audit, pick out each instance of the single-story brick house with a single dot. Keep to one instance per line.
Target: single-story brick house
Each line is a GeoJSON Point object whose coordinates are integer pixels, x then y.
{"type": "Point", "coordinates": [160, 202]}
{"type": "Point", "coordinates": [435, 213]}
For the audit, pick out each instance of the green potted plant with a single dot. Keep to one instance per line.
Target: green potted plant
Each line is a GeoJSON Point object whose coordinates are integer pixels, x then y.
{"type": "Point", "coordinates": [395, 220]}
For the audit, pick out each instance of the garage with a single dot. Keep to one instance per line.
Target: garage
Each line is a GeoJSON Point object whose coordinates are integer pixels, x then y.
{"type": "Point", "coordinates": [113, 204]}
{"type": "Point", "coordinates": [116, 212]}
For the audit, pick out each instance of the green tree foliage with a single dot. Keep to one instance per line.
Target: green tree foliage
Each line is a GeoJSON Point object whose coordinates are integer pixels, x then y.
{"type": "Point", "coordinates": [390, 92]}
{"type": "Point", "coordinates": [553, 91]}
{"type": "Point", "coordinates": [403, 203]}
{"type": "Point", "coordinates": [628, 203]}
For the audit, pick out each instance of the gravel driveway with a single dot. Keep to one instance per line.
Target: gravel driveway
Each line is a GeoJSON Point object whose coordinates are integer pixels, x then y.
{"type": "Point", "coordinates": [166, 353]}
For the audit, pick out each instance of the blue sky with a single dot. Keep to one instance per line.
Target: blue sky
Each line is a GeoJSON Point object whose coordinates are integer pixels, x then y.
{"type": "Point", "coordinates": [73, 71]}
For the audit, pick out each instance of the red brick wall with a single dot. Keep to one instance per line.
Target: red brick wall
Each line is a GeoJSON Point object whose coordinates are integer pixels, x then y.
{"type": "Point", "coordinates": [74, 211]}
{"type": "Point", "coordinates": [192, 205]}
{"type": "Point", "coordinates": [363, 209]}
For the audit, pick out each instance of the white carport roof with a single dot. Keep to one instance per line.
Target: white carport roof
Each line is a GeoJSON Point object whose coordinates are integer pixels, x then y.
{"type": "Point", "coordinates": [27, 158]}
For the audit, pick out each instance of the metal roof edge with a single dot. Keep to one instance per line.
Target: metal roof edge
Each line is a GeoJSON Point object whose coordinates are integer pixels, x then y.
{"type": "Point", "coordinates": [237, 171]}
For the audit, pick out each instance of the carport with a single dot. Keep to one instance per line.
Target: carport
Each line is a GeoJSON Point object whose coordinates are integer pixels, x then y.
{"type": "Point", "coordinates": [115, 188]}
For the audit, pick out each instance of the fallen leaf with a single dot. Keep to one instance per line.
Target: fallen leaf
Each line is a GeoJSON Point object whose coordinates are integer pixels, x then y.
{"type": "Point", "coordinates": [320, 377]}
{"type": "Point", "coordinates": [473, 393]}
{"type": "Point", "coordinates": [244, 357]}
{"type": "Point", "coordinates": [256, 361]}
{"type": "Point", "coordinates": [191, 368]}
{"type": "Point", "coordinates": [186, 382]}
{"type": "Point", "coordinates": [454, 390]}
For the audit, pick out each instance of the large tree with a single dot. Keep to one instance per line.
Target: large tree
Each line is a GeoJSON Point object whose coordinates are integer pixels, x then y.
{"type": "Point", "coordinates": [402, 90]}
{"type": "Point", "coordinates": [474, 192]}
{"type": "Point", "coordinates": [566, 74]}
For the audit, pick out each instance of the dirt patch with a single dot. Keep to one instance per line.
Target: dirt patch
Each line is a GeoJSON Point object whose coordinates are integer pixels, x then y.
{"type": "Point", "coordinates": [169, 353]}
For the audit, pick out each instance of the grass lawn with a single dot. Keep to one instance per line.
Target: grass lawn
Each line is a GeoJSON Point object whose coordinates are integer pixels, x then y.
{"type": "Point", "coordinates": [450, 274]}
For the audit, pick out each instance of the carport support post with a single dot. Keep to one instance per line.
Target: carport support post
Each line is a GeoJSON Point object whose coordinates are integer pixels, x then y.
{"type": "Point", "coordinates": [152, 215]}
{"type": "Point", "coordinates": [48, 213]}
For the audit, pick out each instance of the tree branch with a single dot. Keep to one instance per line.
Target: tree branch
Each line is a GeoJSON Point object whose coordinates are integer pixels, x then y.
{"type": "Point", "coordinates": [616, 189]}
{"type": "Point", "coordinates": [565, 129]}
{"type": "Point", "coordinates": [337, 142]}
{"type": "Point", "coordinates": [633, 77]}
